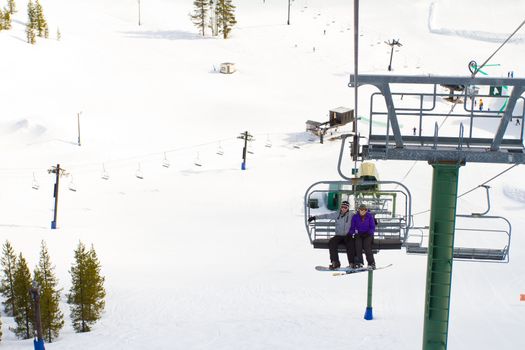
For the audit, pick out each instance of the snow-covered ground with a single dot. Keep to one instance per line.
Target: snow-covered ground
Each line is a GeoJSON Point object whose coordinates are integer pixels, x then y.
{"type": "Point", "coordinates": [213, 257]}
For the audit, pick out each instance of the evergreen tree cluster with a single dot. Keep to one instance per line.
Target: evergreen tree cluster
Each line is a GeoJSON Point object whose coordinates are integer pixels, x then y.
{"type": "Point", "coordinates": [5, 15]}
{"type": "Point", "coordinates": [5, 19]}
{"type": "Point", "coordinates": [87, 293]}
{"type": "Point", "coordinates": [36, 24]}
{"type": "Point", "coordinates": [11, 6]}
{"type": "Point", "coordinates": [200, 14]}
{"type": "Point", "coordinates": [221, 15]}
{"type": "Point", "coordinates": [86, 296]}
{"type": "Point", "coordinates": [225, 12]}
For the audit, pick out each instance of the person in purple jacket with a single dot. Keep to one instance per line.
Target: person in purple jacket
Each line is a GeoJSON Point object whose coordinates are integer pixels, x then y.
{"type": "Point", "coordinates": [362, 230]}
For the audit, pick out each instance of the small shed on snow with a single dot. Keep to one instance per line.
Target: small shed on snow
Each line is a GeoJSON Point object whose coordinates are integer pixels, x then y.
{"type": "Point", "coordinates": [341, 116]}
{"type": "Point", "coordinates": [227, 68]}
{"type": "Point", "coordinates": [313, 127]}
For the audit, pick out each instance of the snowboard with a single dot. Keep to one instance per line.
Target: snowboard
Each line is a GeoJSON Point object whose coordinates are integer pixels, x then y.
{"type": "Point", "coordinates": [347, 271]}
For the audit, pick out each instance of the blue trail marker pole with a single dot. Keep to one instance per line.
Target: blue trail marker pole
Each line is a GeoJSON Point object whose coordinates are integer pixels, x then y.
{"type": "Point", "coordinates": [368, 313]}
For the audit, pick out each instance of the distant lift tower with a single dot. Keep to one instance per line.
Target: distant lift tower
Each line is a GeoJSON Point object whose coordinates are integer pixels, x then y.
{"type": "Point", "coordinates": [446, 153]}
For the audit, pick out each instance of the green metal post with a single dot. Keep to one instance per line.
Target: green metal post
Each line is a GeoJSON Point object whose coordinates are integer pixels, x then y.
{"type": "Point", "coordinates": [440, 255]}
{"type": "Point", "coordinates": [368, 312]}
{"type": "Point", "coordinates": [394, 204]}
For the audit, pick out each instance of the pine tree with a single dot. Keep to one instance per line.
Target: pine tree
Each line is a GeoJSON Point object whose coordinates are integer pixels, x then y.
{"type": "Point", "coordinates": [24, 311]}
{"type": "Point", "coordinates": [31, 23]}
{"type": "Point", "coordinates": [1, 20]}
{"type": "Point", "coordinates": [51, 316]}
{"type": "Point", "coordinates": [225, 17]}
{"type": "Point", "coordinates": [7, 284]}
{"type": "Point", "coordinates": [5, 18]}
{"type": "Point", "coordinates": [11, 6]}
{"type": "Point", "coordinates": [86, 297]}
{"type": "Point", "coordinates": [31, 15]}
{"type": "Point", "coordinates": [59, 35]}
{"type": "Point", "coordinates": [41, 24]}
{"type": "Point", "coordinates": [199, 15]}
{"type": "Point", "coordinates": [30, 34]}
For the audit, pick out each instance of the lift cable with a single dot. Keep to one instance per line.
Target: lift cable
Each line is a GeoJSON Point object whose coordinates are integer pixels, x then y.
{"type": "Point", "coordinates": [488, 59]}
{"type": "Point", "coordinates": [477, 69]}
{"type": "Point", "coordinates": [472, 189]}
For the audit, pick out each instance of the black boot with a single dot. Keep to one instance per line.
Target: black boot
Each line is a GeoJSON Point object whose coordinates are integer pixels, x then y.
{"type": "Point", "coordinates": [334, 265]}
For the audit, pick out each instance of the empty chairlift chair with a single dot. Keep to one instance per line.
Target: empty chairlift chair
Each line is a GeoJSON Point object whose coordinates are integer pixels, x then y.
{"type": "Point", "coordinates": [104, 175]}
{"type": "Point", "coordinates": [165, 162]}
{"type": "Point", "coordinates": [35, 184]}
{"type": "Point", "coordinates": [478, 237]}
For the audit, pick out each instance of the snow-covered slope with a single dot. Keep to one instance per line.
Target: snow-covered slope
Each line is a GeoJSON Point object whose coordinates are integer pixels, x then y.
{"type": "Point", "coordinates": [213, 257]}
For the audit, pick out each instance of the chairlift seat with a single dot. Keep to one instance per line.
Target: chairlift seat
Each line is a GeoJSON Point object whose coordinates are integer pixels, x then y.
{"type": "Point", "coordinates": [382, 239]}
{"type": "Point", "coordinates": [377, 245]}
{"type": "Point", "coordinates": [465, 253]}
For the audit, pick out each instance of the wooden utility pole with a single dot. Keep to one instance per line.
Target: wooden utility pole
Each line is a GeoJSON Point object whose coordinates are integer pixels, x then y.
{"type": "Point", "coordinates": [78, 124]}
{"type": "Point", "coordinates": [139, 11]}
{"type": "Point", "coordinates": [392, 44]}
{"type": "Point", "coordinates": [246, 137]}
{"type": "Point", "coordinates": [288, 12]}
{"type": "Point", "coordinates": [59, 172]}
{"type": "Point", "coordinates": [35, 295]}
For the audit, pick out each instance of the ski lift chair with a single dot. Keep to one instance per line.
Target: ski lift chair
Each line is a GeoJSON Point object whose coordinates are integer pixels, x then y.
{"type": "Point", "coordinates": [197, 160]}
{"type": "Point", "coordinates": [35, 184]}
{"type": "Point", "coordinates": [493, 231]}
{"type": "Point", "coordinates": [72, 187]}
{"type": "Point", "coordinates": [220, 150]}
{"type": "Point", "coordinates": [104, 175]}
{"type": "Point", "coordinates": [165, 162]}
{"type": "Point", "coordinates": [139, 174]}
{"type": "Point", "coordinates": [268, 143]}
{"type": "Point", "coordinates": [391, 229]}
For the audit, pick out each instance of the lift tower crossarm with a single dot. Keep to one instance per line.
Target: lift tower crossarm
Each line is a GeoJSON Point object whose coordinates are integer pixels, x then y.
{"type": "Point", "coordinates": [500, 147]}
{"type": "Point", "coordinates": [373, 79]}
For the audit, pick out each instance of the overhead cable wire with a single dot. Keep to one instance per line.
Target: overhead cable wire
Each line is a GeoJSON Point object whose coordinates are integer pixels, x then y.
{"type": "Point", "coordinates": [474, 188]}
{"type": "Point", "coordinates": [486, 182]}
{"type": "Point", "coordinates": [454, 105]}
{"type": "Point", "coordinates": [14, 171]}
{"type": "Point", "coordinates": [488, 59]}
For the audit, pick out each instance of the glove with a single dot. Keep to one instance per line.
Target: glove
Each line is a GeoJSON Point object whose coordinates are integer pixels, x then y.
{"type": "Point", "coordinates": [311, 218]}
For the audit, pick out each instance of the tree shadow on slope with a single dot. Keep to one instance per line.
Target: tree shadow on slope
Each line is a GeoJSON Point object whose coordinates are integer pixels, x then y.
{"type": "Point", "coordinates": [163, 35]}
{"type": "Point", "coordinates": [515, 193]}
{"type": "Point", "coordinates": [299, 139]}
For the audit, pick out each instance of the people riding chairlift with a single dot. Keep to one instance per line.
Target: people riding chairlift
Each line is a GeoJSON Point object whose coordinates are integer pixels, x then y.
{"type": "Point", "coordinates": [342, 227]}
{"type": "Point", "coordinates": [362, 232]}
